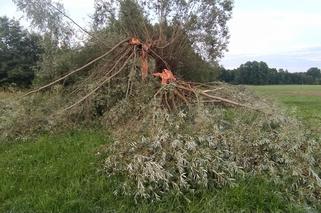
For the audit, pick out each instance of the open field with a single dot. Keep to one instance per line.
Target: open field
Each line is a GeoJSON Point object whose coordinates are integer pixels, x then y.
{"type": "Point", "coordinates": [305, 100]}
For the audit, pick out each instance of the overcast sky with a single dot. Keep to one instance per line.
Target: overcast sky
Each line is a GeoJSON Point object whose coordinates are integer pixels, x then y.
{"type": "Point", "coordinates": [283, 33]}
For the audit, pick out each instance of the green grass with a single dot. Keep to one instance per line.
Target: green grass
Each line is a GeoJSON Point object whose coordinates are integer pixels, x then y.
{"type": "Point", "coordinates": [59, 174]}
{"type": "Point", "coordinates": [304, 99]}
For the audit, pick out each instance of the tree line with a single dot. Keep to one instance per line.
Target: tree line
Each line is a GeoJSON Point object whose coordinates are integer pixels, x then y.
{"type": "Point", "coordinates": [259, 73]}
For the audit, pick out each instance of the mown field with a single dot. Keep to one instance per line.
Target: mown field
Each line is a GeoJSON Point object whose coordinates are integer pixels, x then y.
{"type": "Point", "coordinates": [61, 173]}
{"type": "Point", "coordinates": [302, 101]}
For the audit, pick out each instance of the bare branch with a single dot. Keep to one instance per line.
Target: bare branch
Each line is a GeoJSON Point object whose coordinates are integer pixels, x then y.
{"type": "Point", "coordinates": [77, 70]}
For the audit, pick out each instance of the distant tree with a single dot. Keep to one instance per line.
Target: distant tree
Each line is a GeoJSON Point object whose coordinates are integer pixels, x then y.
{"type": "Point", "coordinates": [315, 73]}
{"type": "Point", "coordinates": [227, 75]}
{"type": "Point", "coordinates": [273, 77]}
{"type": "Point", "coordinates": [19, 53]}
{"type": "Point", "coordinates": [252, 73]}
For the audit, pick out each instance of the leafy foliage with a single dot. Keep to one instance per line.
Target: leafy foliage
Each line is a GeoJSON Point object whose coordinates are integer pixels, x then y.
{"type": "Point", "coordinates": [189, 35]}
{"type": "Point", "coordinates": [21, 119]}
{"type": "Point", "coordinates": [204, 22]}
{"type": "Point", "coordinates": [206, 147]}
{"type": "Point", "coordinates": [47, 19]}
{"type": "Point", "coordinates": [315, 73]}
{"type": "Point", "coordinates": [19, 53]}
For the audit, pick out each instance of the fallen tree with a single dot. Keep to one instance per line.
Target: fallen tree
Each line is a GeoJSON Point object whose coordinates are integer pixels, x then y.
{"type": "Point", "coordinates": [172, 134]}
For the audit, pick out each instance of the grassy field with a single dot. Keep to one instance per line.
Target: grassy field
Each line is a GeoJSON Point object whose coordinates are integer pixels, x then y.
{"type": "Point", "coordinates": [305, 100]}
{"type": "Point", "coordinates": [60, 173]}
